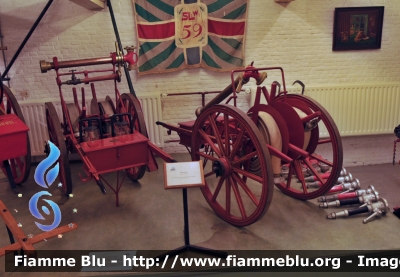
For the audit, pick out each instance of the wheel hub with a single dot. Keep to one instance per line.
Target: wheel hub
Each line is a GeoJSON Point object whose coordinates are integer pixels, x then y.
{"type": "Point", "coordinates": [313, 123]}
{"type": "Point", "coordinates": [222, 167]}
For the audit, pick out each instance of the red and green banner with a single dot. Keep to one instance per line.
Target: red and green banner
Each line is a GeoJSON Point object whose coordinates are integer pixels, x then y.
{"type": "Point", "coordinates": [178, 34]}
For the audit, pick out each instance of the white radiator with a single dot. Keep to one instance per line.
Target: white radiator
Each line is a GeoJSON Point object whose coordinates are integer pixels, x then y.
{"type": "Point", "coordinates": [361, 109]}
{"type": "Point", "coordinates": [151, 106]}
{"type": "Point", "coordinates": [35, 118]}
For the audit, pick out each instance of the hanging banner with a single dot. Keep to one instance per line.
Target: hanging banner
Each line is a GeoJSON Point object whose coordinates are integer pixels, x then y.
{"type": "Point", "coordinates": [174, 34]}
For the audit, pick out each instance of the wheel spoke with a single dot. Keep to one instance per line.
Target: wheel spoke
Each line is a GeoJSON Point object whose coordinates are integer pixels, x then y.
{"type": "Point", "coordinates": [300, 175]}
{"type": "Point", "coordinates": [245, 158]}
{"type": "Point", "coordinates": [217, 135]}
{"type": "Point", "coordinates": [314, 172]}
{"type": "Point", "coordinates": [290, 174]}
{"type": "Point", "coordinates": [228, 196]}
{"type": "Point", "coordinates": [208, 157]}
{"type": "Point", "coordinates": [217, 189]}
{"type": "Point", "coordinates": [245, 188]}
{"type": "Point", "coordinates": [227, 141]}
{"type": "Point", "coordinates": [238, 198]}
{"type": "Point", "coordinates": [208, 174]}
{"type": "Point", "coordinates": [323, 141]}
{"type": "Point", "coordinates": [246, 167]}
{"type": "Point", "coordinates": [238, 141]}
{"type": "Point", "coordinates": [248, 174]}
{"type": "Point", "coordinates": [321, 160]}
{"type": "Point", "coordinates": [206, 150]}
{"type": "Point", "coordinates": [210, 143]}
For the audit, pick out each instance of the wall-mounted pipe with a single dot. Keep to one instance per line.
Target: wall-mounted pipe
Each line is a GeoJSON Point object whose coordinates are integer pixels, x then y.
{"type": "Point", "coordinates": [26, 38]}
{"type": "Point", "coordinates": [114, 23]}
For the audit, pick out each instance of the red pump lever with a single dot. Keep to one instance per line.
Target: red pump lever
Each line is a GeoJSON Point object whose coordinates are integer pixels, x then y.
{"type": "Point", "coordinates": [251, 71]}
{"type": "Point", "coordinates": [131, 57]}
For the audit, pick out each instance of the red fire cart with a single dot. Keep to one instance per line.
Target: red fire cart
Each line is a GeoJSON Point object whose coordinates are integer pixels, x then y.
{"type": "Point", "coordinates": [276, 143]}
{"type": "Point", "coordinates": [112, 137]}
{"type": "Point", "coordinates": [15, 154]}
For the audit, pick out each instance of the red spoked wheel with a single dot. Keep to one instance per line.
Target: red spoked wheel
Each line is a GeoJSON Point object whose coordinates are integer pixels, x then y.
{"type": "Point", "coordinates": [20, 166]}
{"type": "Point", "coordinates": [56, 136]}
{"type": "Point", "coordinates": [324, 148]}
{"type": "Point", "coordinates": [132, 106]}
{"type": "Point", "coordinates": [232, 143]}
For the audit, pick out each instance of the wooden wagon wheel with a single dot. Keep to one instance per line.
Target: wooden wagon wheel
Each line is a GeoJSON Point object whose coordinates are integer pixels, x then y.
{"type": "Point", "coordinates": [324, 151]}
{"type": "Point", "coordinates": [132, 106]}
{"type": "Point", "coordinates": [20, 166]}
{"type": "Point", "coordinates": [56, 136]}
{"type": "Point", "coordinates": [231, 143]}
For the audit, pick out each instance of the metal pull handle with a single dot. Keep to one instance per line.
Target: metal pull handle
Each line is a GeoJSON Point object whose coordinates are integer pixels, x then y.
{"type": "Point", "coordinates": [115, 58]}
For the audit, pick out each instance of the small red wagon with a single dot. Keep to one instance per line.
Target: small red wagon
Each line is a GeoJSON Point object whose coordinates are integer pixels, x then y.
{"type": "Point", "coordinates": [112, 137]}
{"type": "Point", "coordinates": [15, 153]}
{"type": "Point", "coordinates": [276, 142]}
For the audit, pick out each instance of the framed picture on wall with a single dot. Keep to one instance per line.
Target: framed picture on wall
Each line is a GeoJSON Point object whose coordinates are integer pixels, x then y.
{"type": "Point", "coordinates": [357, 28]}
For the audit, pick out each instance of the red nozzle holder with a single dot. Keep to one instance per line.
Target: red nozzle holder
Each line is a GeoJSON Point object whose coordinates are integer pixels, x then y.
{"type": "Point", "coordinates": [131, 58]}
{"type": "Point", "coordinates": [251, 72]}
